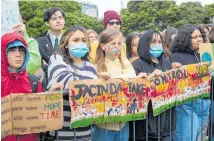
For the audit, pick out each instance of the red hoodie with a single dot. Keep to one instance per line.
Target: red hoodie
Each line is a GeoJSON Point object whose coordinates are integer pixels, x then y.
{"type": "Point", "coordinates": [15, 82]}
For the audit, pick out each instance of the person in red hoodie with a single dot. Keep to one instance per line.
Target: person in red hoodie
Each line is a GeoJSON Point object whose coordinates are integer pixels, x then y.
{"type": "Point", "coordinates": [14, 78]}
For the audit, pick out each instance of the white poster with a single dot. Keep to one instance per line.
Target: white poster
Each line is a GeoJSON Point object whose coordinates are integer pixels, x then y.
{"type": "Point", "coordinates": [10, 15]}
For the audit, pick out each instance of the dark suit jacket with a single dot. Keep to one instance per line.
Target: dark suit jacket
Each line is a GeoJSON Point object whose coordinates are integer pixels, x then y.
{"type": "Point", "coordinates": [46, 51]}
{"type": "Point", "coordinates": [45, 47]}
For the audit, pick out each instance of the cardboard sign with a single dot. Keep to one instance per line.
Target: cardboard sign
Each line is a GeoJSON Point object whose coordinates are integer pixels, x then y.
{"type": "Point", "coordinates": [33, 113]}
{"type": "Point", "coordinates": [10, 15]}
{"type": "Point", "coordinates": [100, 101]}
{"type": "Point", "coordinates": [6, 117]}
{"type": "Point", "coordinates": [207, 54]}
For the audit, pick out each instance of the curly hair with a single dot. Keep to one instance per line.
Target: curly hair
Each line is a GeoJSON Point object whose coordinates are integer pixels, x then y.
{"type": "Point", "coordinates": [129, 40]}
{"type": "Point", "coordinates": [183, 39]}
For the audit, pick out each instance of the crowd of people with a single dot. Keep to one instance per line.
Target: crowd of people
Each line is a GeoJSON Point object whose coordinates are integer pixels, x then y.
{"type": "Point", "coordinates": [80, 54]}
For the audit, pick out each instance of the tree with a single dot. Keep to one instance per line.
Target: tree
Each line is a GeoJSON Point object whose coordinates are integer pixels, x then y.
{"type": "Point", "coordinates": [158, 15]}
{"type": "Point", "coordinates": [145, 15]}
{"type": "Point", "coordinates": [32, 14]}
{"type": "Point", "coordinates": [209, 9]}
{"type": "Point", "coordinates": [192, 13]}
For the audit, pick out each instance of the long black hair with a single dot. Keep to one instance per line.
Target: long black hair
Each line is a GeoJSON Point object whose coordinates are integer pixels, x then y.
{"type": "Point", "coordinates": [183, 39]}
{"type": "Point", "coordinates": [129, 39]}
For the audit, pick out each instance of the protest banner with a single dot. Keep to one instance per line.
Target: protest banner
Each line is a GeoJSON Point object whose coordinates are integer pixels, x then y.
{"type": "Point", "coordinates": [35, 113]}
{"type": "Point", "coordinates": [10, 15]}
{"type": "Point", "coordinates": [178, 86]}
{"type": "Point", "coordinates": [101, 101]}
{"type": "Point", "coordinates": [207, 54]}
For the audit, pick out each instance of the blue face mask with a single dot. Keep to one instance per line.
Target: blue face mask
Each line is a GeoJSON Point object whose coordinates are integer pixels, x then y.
{"type": "Point", "coordinates": [156, 51]}
{"type": "Point", "coordinates": [79, 50]}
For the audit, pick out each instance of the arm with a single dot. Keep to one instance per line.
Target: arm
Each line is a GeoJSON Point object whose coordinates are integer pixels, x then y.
{"type": "Point", "coordinates": [35, 59]}
{"type": "Point", "coordinates": [59, 72]}
{"type": "Point", "coordinates": [39, 88]}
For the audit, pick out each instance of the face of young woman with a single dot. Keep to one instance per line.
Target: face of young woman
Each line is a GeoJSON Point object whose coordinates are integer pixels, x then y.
{"type": "Point", "coordinates": [78, 38]}
{"type": "Point", "coordinates": [196, 40]}
{"type": "Point", "coordinates": [135, 45]}
{"type": "Point", "coordinates": [114, 47]}
{"type": "Point", "coordinates": [92, 37]}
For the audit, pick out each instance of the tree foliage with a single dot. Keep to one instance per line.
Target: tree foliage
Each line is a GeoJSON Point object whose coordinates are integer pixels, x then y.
{"type": "Point", "coordinates": [32, 14]}
{"type": "Point", "coordinates": [209, 9]}
{"type": "Point", "coordinates": [158, 15]}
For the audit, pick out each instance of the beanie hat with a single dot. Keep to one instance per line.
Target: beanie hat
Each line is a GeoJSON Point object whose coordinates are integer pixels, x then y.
{"type": "Point", "coordinates": [109, 15]}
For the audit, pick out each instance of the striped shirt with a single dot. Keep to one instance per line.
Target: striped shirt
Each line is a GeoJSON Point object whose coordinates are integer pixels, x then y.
{"type": "Point", "coordinates": [60, 71]}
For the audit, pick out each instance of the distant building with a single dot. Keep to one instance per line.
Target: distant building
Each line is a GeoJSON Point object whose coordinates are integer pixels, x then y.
{"type": "Point", "coordinates": [90, 9]}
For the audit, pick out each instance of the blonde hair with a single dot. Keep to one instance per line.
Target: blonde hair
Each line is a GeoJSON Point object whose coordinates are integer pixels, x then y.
{"type": "Point", "coordinates": [91, 31]}
{"type": "Point", "coordinates": [105, 37]}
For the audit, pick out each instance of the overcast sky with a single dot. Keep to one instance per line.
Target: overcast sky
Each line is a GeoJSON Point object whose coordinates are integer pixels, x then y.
{"type": "Point", "coordinates": [104, 5]}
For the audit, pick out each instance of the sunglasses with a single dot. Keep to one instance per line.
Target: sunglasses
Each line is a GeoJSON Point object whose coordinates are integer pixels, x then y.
{"type": "Point", "coordinates": [112, 23]}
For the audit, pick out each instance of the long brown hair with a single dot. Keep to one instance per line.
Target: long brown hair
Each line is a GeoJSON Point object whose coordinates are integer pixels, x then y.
{"type": "Point", "coordinates": [105, 37]}
{"type": "Point", "coordinates": [63, 51]}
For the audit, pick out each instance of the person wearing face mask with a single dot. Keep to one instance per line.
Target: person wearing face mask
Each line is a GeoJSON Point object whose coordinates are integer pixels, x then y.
{"type": "Point", "coordinates": [189, 115]}
{"type": "Point", "coordinates": [71, 62]}
{"type": "Point", "coordinates": [152, 62]}
{"type": "Point", "coordinates": [111, 64]}
{"type": "Point", "coordinates": [111, 20]}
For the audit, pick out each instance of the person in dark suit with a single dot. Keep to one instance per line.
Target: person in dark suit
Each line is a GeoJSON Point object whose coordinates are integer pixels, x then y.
{"type": "Point", "coordinates": [55, 20]}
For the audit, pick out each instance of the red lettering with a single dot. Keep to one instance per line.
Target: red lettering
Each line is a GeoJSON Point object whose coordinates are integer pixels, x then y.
{"type": "Point", "coordinates": [51, 115]}
{"type": "Point", "coordinates": [58, 114]}
{"type": "Point", "coordinates": [42, 115]}
{"type": "Point", "coordinates": [47, 115]}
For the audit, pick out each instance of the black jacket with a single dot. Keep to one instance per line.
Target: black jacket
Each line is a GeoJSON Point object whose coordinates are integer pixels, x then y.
{"type": "Point", "coordinates": [45, 47]}
{"type": "Point", "coordinates": [145, 64]}
{"type": "Point", "coordinates": [46, 50]}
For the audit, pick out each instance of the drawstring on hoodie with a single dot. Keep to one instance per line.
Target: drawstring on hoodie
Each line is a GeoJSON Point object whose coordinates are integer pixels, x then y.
{"type": "Point", "coordinates": [197, 58]}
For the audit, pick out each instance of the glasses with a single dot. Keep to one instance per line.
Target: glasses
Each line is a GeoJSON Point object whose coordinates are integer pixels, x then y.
{"type": "Point", "coordinates": [113, 23]}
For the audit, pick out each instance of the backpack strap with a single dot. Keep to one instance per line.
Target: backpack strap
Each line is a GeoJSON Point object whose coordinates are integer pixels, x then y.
{"type": "Point", "coordinates": [33, 82]}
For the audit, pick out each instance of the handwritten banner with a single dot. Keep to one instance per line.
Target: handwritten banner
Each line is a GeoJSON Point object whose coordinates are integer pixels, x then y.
{"type": "Point", "coordinates": [10, 15]}
{"type": "Point", "coordinates": [35, 113]}
{"type": "Point", "coordinates": [207, 54]}
{"type": "Point", "coordinates": [99, 101]}
{"type": "Point", "coordinates": [6, 117]}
